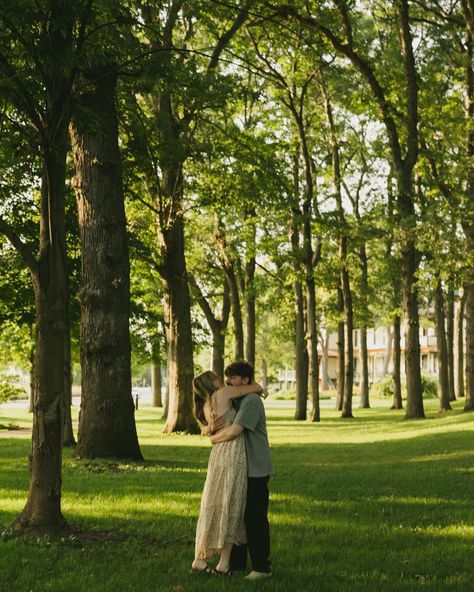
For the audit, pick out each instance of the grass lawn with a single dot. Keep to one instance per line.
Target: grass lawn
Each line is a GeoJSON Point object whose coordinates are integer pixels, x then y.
{"type": "Point", "coordinates": [370, 504]}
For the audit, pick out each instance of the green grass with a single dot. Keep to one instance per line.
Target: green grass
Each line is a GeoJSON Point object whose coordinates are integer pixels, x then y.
{"type": "Point", "coordinates": [370, 504]}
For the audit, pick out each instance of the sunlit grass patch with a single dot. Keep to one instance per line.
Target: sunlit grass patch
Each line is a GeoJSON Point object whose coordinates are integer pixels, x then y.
{"type": "Point", "coordinates": [375, 503]}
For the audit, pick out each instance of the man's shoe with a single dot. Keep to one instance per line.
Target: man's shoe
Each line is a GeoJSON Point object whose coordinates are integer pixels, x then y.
{"type": "Point", "coordinates": [257, 575]}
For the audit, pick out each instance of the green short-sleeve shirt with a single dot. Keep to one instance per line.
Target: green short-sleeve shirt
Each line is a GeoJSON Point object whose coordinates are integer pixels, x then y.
{"type": "Point", "coordinates": [251, 416]}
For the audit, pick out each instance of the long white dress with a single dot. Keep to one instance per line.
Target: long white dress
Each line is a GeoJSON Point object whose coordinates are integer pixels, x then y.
{"type": "Point", "coordinates": [221, 517]}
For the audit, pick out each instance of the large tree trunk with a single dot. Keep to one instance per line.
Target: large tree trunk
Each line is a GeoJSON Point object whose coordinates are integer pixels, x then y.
{"type": "Point", "coordinates": [442, 350]}
{"type": "Point", "coordinates": [42, 511]}
{"type": "Point", "coordinates": [264, 374]}
{"type": "Point", "coordinates": [301, 354]}
{"type": "Point", "coordinates": [460, 347]}
{"type": "Point", "coordinates": [469, 307]}
{"type": "Point", "coordinates": [250, 295]}
{"type": "Point", "coordinates": [414, 408]}
{"type": "Point", "coordinates": [107, 423]}
{"type": "Point", "coordinates": [364, 370]}
{"type": "Point", "coordinates": [388, 351]}
{"type": "Point", "coordinates": [340, 349]}
{"type": "Point", "coordinates": [218, 352]}
{"type": "Point", "coordinates": [250, 316]}
{"type": "Point", "coordinates": [43, 508]}
{"type": "Point", "coordinates": [68, 433]}
{"type": "Point", "coordinates": [312, 341]}
{"type": "Point", "coordinates": [236, 311]}
{"type": "Point", "coordinates": [217, 326]}
{"type": "Point", "coordinates": [325, 360]}
{"type": "Point", "coordinates": [156, 400]}
{"type": "Point", "coordinates": [156, 385]}
{"type": "Point", "coordinates": [311, 326]}
{"type": "Point", "coordinates": [396, 374]}
{"type": "Point", "coordinates": [364, 357]}
{"type": "Point", "coordinates": [349, 350]}
{"type": "Point", "coordinates": [468, 225]}
{"type": "Point", "coordinates": [450, 345]}
{"type": "Point", "coordinates": [180, 345]}
{"type": "Point", "coordinates": [32, 393]}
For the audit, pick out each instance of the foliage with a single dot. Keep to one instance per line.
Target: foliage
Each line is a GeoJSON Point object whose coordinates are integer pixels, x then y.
{"type": "Point", "coordinates": [430, 387]}
{"type": "Point", "coordinates": [384, 388]}
{"type": "Point", "coordinates": [9, 389]}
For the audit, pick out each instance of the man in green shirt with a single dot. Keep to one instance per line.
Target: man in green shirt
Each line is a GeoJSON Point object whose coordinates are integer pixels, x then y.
{"type": "Point", "coordinates": [251, 420]}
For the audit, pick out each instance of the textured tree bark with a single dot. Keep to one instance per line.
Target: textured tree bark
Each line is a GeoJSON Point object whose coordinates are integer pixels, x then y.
{"type": "Point", "coordinates": [264, 374]}
{"type": "Point", "coordinates": [43, 508]}
{"type": "Point", "coordinates": [68, 434]}
{"type": "Point", "coordinates": [349, 349]}
{"type": "Point", "coordinates": [311, 323]}
{"type": "Point", "coordinates": [156, 373]}
{"type": "Point", "coordinates": [469, 311]}
{"type": "Point", "coordinates": [180, 416]}
{"type": "Point", "coordinates": [107, 424]}
{"type": "Point", "coordinates": [340, 349]}
{"type": "Point", "coordinates": [32, 393]}
{"type": "Point", "coordinates": [249, 289]}
{"type": "Point", "coordinates": [460, 347]}
{"type": "Point", "coordinates": [42, 512]}
{"type": "Point", "coordinates": [166, 403]}
{"type": "Point", "coordinates": [397, 402]}
{"type": "Point", "coordinates": [217, 325]}
{"type": "Point", "coordinates": [388, 351]}
{"type": "Point", "coordinates": [250, 314]}
{"type": "Point", "coordinates": [301, 354]}
{"type": "Point", "coordinates": [409, 254]}
{"type": "Point", "coordinates": [414, 407]}
{"type": "Point", "coordinates": [468, 225]}
{"type": "Point", "coordinates": [364, 370]}
{"type": "Point", "coordinates": [442, 350]}
{"type": "Point", "coordinates": [325, 361]}
{"type": "Point", "coordinates": [450, 344]}
{"type": "Point", "coordinates": [156, 385]}
{"type": "Point", "coordinates": [236, 312]}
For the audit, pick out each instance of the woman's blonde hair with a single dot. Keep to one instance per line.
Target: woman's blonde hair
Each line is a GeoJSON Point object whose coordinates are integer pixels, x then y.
{"type": "Point", "coordinates": [203, 389]}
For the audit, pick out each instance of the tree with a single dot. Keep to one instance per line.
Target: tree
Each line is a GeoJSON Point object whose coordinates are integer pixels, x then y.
{"type": "Point", "coordinates": [402, 136]}
{"type": "Point", "coordinates": [107, 424]}
{"type": "Point", "coordinates": [40, 89]}
{"type": "Point", "coordinates": [162, 121]}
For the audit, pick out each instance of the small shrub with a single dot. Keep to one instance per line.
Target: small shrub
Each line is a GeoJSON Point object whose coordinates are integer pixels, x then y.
{"type": "Point", "coordinates": [430, 387]}
{"type": "Point", "coordinates": [383, 389]}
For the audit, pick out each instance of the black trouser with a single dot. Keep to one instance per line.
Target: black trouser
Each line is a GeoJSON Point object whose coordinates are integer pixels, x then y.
{"type": "Point", "coordinates": [258, 530]}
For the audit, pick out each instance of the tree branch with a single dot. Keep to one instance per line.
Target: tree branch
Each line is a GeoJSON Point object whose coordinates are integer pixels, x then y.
{"type": "Point", "coordinates": [225, 39]}
{"type": "Point", "coordinates": [24, 250]}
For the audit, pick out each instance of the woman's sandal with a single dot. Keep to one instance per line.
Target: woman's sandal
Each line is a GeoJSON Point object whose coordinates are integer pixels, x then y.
{"type": "Point", "coordinates": [216, 572]}
{"type": "Point", "coordinates": [203, 571]}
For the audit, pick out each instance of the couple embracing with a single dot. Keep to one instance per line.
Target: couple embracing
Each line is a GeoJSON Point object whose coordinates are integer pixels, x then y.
{"type": "Point", "coordinates": [234, 505]}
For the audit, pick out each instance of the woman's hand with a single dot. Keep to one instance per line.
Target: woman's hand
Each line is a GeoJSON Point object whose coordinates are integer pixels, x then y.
{"type": "Point", "coordinates": [214, 426]}
{"type": "Point", "coordinates": [260, 390]}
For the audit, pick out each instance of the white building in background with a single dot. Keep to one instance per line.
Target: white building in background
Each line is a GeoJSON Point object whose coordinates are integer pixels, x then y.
{"type": "Point", "coordinates": [380, 351]}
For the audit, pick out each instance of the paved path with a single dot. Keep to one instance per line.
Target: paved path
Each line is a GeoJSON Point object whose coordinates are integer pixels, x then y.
{"type": "Point", "coordinates": [144, 399]}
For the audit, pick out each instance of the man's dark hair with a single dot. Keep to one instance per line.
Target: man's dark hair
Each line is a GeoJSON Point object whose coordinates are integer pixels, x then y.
{"type": "Point", "coordinates": [241, 368]}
